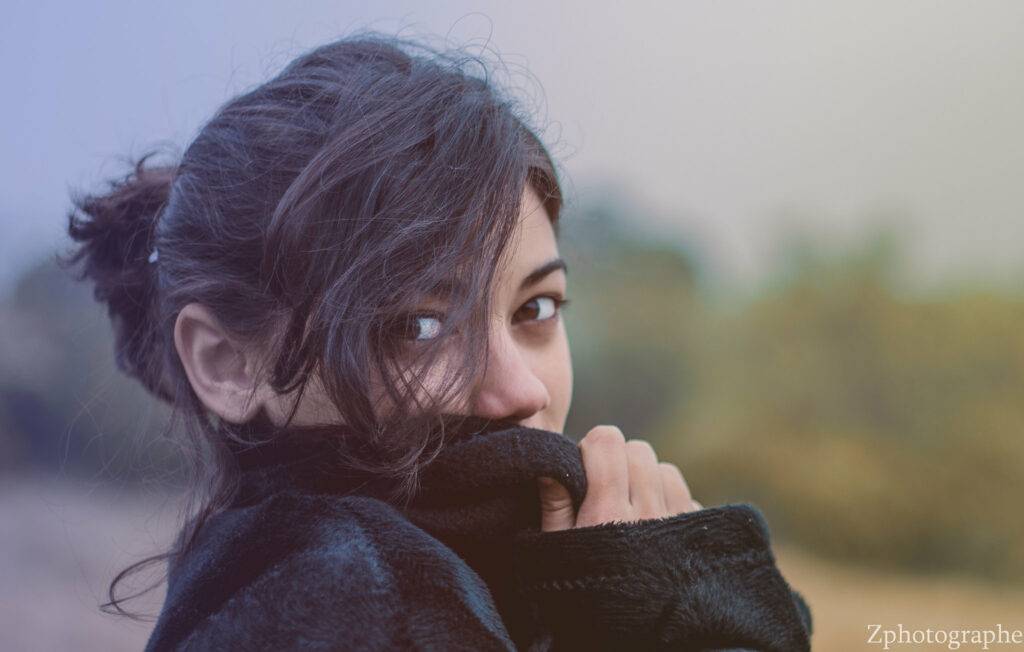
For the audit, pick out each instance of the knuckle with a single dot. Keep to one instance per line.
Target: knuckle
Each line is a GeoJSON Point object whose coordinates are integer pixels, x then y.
{"type": "Point", "coordinates": [607, 487]}
{"type": "Point", "coordinates": [641, 447]}
{"type": "Point", "coordinates": [605, 511]}
{"type": "Point", "coordinates": [670, 469]}
{"type": "Point", "coordinates": [676, 483]}
{"type": "Point", "coordinates": [603, 436]}
{"type": "Point", "coordinates": [556, 504]}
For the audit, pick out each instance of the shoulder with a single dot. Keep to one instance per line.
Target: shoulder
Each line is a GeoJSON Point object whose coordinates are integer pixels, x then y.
{"type": "Point", "coordinates": [368, 544]}
{"type": "Point", "coordinates": [354, 529]}
{"type": "Point", "coordinates": [357, 532]}
{"type": "Point", "coordinates": [330, 572]}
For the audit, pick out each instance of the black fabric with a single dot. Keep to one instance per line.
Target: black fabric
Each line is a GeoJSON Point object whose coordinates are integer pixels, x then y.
{"type": "Point", "coordinates": [314, 556]}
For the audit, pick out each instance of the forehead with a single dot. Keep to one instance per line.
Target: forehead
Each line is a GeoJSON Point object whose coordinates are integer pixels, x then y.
{"type": "Point", "coordinates": [533, 242]}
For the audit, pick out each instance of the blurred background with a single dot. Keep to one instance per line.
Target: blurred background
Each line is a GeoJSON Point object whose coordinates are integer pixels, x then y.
{"type": "Point", "coordinates": [796, 244]}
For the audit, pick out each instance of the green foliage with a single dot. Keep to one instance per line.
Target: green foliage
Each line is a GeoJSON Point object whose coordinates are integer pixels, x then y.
{"type": "Point", "coordinates": [867, 423]}
{"type": "Point", "coordinates": [634, 318]}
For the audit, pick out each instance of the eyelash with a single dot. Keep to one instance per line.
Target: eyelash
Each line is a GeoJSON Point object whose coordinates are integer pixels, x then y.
{"type": "Point", "coordinates": [560, 304]}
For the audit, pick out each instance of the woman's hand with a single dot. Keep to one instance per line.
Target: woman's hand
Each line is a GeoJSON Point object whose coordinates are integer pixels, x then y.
{"type": "Point", "coordinates": [625, 482]}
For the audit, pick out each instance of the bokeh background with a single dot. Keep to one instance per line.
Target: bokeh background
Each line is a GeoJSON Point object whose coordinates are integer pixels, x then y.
{"type": "Point", "coordinates": [796, 249]}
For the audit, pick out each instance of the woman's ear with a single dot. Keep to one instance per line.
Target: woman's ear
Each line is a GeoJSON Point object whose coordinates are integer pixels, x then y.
{"type": "Point", "coordinates": [220, 371]}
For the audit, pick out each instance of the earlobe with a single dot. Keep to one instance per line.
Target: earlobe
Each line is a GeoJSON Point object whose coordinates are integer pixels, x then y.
{"type": "Point", "coordinates": [243, 405]}
{"type": "Point", "coordinates": [217, 368]}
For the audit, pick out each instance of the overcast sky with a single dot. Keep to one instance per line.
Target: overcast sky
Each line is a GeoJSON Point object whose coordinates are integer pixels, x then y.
{"type": "Point", "coordinates": [726, 120]}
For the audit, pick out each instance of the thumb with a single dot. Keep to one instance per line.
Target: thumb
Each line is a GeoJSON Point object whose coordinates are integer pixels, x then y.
{"type": "Point", "coordinates": [556, 510]}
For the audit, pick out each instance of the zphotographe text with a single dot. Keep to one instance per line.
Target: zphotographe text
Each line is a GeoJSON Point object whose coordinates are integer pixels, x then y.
{"type": "Point", "coordinates": [986, 638]}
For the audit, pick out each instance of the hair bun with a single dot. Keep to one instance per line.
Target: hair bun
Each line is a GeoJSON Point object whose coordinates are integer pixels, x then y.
{"type": "Point", "coordinates": [114, 232]}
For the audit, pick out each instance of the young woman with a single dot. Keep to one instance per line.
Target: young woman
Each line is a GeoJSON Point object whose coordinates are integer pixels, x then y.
{"type": "Point", "coordinates": [349, 289]}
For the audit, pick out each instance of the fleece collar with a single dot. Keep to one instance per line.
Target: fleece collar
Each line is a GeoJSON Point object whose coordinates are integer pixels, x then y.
{"type": "Point", "coordinates": [706, 576]}
{"type": "Point", "coordinates": [475, 496]}
{"type": "Point", "coordinates": [484, 462]}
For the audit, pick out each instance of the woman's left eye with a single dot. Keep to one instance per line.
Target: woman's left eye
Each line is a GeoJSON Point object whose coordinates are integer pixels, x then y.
{"type": "Point", "coordinates": [542, 308]}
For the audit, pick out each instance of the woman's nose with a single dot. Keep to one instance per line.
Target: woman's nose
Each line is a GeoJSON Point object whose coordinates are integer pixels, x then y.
{"type": "Point", "coordinates": [510, 387]}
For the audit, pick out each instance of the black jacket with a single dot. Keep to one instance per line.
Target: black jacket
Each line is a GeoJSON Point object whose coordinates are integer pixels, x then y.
{"type": "Point", "coordinates": [310, 557]}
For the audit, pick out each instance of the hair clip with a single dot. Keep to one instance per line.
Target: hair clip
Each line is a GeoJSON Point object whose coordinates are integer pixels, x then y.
{"type": "Point", "coordinates": [153, 256]}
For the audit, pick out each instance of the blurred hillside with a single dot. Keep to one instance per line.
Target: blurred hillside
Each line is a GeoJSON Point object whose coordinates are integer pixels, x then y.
{"type": "Point", "coordinates": [64, 407]}
{"type": "Point", "coordinates": [867, 423]}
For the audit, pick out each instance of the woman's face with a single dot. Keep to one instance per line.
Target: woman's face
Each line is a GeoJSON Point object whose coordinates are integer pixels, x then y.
{"type": "Point", "coordinates": [528, 375]}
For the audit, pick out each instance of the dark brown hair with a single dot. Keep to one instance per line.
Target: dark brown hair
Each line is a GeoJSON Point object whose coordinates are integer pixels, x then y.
{"type": "Point", "coordinates": [312, 215]}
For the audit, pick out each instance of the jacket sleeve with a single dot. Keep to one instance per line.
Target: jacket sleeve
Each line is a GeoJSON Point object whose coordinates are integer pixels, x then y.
{"type": "Point", "coordinates": [381, 585]}
{"type": "Point", "coordinates": [703, 580]}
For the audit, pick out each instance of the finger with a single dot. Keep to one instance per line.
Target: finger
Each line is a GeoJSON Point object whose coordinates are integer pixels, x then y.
{"type": "Point", "coordinates": [677, 493]}
{"type": "Point", "coordinates": [604, 460]}
{"type": "Point", "coordinates": [645, 491]}
{"type": "Point", "coordinates": [696, 506]}
{"type": "Point", "coordinates": [556, 510]}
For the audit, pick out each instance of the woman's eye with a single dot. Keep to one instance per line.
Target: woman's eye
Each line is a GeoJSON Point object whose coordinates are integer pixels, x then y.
{"type": "Point", "coordinates": [421, 327]}
{"type": "Point", "coordinates": [542, 308]}
{"type": "Point", "coordinates": [426, 326]}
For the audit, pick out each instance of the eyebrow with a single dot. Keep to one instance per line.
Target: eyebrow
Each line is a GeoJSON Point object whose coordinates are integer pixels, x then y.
{"type": "Point", "coordinates": [537, 275]}
{"type": "Point", "coordinates": [454, 286]}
